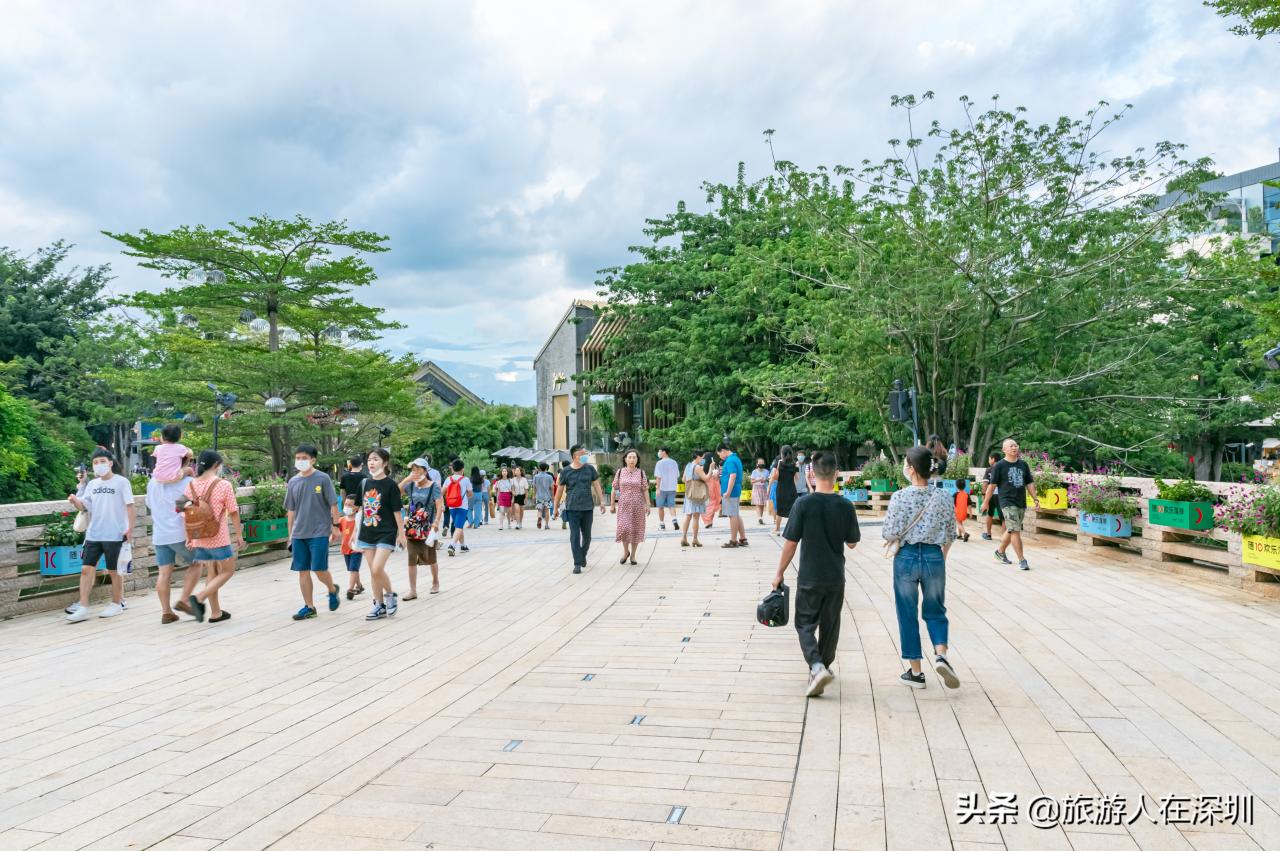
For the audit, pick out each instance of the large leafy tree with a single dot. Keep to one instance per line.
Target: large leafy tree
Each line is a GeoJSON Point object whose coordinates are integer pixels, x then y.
{"type": "Point", "coordinates": [1257, 18]}
{"type": "Point", "coordinates": [1017, 277]}
{"type": "Point", "coordinates": [447, 433]}
{"type": "Point", "coordinates": [267, 309]}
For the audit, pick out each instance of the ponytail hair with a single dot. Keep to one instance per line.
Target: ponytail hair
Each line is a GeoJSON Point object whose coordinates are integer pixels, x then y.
{"type": "Point", "coordinates": [207, 461]}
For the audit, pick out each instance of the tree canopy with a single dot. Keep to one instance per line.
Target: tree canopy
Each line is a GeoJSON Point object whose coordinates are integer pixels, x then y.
{"type": "Point", "coordinates": [1019, 278]}
{"type": "Point", "coordinates": [1257, 18]}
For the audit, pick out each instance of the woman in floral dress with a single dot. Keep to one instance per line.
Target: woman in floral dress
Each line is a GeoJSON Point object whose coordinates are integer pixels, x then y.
{"type": "Point", "coordinates": [631, 504]}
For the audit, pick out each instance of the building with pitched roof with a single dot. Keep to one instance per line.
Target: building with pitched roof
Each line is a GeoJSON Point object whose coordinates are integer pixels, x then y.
{"type": "Point", "coordinates": [441, 387]}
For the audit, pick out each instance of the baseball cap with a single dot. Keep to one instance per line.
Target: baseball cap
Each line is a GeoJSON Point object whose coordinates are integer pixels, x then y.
{"type": "Point", "coordinates": [484, 472]}
{"type": "Point", "coordinates": [420, 462]}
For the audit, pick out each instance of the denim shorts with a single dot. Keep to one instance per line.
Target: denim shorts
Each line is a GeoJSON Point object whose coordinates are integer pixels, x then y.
{"type": "Point", "coordinates": [366, 545]}
{"type": "Point", "coordinates": [731, 506]}
{"type": "Point", "coordinates": [212, 553]}
{"type": "Point", "coordinates": [167, 555]}
{"type": "Point", "coordinates": [353, 561]}
{"type": "Point", "coordinates": [665, 499]}
{"type": "Point", "coordinates": [311, 554]}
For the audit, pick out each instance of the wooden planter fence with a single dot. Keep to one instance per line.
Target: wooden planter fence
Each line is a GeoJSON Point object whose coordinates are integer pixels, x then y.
{"type": "Point", "coordinates": [23, 589]}
{"type": "Point", "coordinates": [1211, 554]}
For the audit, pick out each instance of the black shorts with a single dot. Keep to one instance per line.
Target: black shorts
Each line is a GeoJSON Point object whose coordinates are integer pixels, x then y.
{"type": "Point", "coordinates": [518, 498]}
{"type": "Point", "coordinates": [95, 550]}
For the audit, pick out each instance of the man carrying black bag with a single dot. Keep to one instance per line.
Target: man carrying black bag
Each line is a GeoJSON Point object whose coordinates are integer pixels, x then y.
{"type": "Point", "coordinates": [824, 522]}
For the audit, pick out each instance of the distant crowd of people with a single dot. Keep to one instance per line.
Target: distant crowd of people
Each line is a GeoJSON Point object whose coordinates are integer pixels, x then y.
{"type": "Point", "coordinates": [369, 515]}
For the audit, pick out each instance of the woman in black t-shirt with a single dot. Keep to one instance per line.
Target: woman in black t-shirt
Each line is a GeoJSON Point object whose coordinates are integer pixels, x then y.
{"type": "Point", "coordinates": [381, 530]}
{"type": "Point", "coordinates": [785, 476]}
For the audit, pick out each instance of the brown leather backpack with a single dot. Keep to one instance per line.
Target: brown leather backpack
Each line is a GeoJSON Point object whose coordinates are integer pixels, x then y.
{"type": "Point", "coordinates": [200, 520]}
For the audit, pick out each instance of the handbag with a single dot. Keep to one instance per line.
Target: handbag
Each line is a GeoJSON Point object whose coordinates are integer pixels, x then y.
{"type": "Point", "coordinates": [892, 545]}
{"type": "Point", "coordinates": [695, 490]}
{"type": "Point", "coordinates": [775, 608]}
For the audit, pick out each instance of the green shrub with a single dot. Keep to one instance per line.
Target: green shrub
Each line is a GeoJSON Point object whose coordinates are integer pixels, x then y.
{"type": "Point", "coordinates": [882, 468]}
{"type": "Point", "coordinates": [1101, 494]}
{"type": "Point", "coordinates": [1186, 490]}
{"type": "Point", "coordinates": [61, 533]}
{"type": "Point", "coordinates": [268, 499]}
{"type": "Point", "coordinates": [1046, 474]}
{"type": "Point", "coordinates": [1234, 471]}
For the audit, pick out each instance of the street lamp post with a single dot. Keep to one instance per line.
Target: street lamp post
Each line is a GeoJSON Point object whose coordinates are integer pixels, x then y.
{"type": "Point", "coordinates": [222, 401]}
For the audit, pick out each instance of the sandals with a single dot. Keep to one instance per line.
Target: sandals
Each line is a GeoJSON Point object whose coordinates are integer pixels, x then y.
{"type": "Point", "coordinates": [435, 589]}
{"type": "Point", "coordinates": [684, 543]}
{"type": "Point", "coordinates": [731, 545]}
{"type": "Point", "coordinates": [696, 544]}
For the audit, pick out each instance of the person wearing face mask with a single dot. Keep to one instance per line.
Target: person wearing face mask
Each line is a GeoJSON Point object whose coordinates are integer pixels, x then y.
{"type": "Point", "coordinates": [578, 483]}
{"type": "Point", "coordinates": [214, 553]}
{"type": "Point", "coordinates": [311, 504]}
{"type": "Point", "coordinates": [760, 488]}
{"type": "Point", "coordinates": [804, 482]}
{"type": "Point", "coordinates": [109, 500]}
{"type": "Point", "coordinates": [381, 530]}
{"type": "Point", "coordinates": [351, 555]}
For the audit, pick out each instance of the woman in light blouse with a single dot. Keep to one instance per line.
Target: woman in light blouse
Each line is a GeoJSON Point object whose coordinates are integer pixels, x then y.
{"type": "Point", "coordinates": [923, 519]}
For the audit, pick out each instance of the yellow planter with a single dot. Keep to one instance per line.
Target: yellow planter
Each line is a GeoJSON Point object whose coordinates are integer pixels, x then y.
{"type": "Point", "coordinates": [1053, 499]}
{"type": "Point", "coordinates": [1260, 550]}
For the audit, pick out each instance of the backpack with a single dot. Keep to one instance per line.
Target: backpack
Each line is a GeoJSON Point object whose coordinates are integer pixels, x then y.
{"type": "Point", "coordinates": [198, 516]}
{"type": "Point", "coordinates": [453, 492]}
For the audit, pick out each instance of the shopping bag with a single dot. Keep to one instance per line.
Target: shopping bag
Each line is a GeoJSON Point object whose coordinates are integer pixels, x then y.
{"type": "Point", "coordinates": [124, 563]}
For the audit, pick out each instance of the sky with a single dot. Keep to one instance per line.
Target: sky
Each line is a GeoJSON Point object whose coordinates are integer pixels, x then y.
{"type": "Point", "coordinates": [512, 150]}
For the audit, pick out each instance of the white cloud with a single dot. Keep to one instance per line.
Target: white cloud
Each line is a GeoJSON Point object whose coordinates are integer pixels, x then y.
{"type": "Point", "coordinates": [508, 377]}
{"type": "Point", "coordinates": [511, 150]}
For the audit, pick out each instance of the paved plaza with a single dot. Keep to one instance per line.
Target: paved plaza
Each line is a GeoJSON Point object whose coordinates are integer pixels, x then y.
{"type": "Point", "coordinates": [643, 708]}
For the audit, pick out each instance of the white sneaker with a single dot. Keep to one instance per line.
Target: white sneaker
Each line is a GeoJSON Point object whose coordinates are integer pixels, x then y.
{"type": "Point", "coordinates": [80, 614]}
{"type": "Point", "coordinates": [111, 610]}
{"type": "Point", "coordinates": [819, 678]}
{"type": "Point", "coordinates": [73, 608]}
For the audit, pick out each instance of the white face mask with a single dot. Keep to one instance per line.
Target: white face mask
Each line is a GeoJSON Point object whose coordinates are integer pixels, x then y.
{"type": "Point", "coordinates": [906, 472]}
{"type": "Point", "coordinates": [102, 469]}
{"type": "Point", "coordinates": [302, 465]}
{"type": "Point", "coordinates": [375, 467]}
{"type": "Point", "coordinates": [348, 511]}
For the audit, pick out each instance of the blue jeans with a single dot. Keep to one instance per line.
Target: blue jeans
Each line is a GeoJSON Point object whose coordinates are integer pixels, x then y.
{"type": "Point", "coordinates": [475, 512]}
{"type": "Point", "coordinates": [920, 566]}
{"type": "Point", "coordinates": [487, 507]}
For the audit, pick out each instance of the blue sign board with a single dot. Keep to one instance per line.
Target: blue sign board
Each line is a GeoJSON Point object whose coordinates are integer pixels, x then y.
{"type": "Point", "coordinates": [1105, 525]}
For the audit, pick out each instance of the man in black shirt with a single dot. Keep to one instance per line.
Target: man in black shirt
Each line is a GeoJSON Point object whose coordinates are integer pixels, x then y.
{"type": "Point", "coordinates": [349, 484]}
{"type": "Point", "coordinates": [579, 493]}
{"type": "Point", "coordinates": [825, 523]}
{"type": "Point", "coordinates": [1011, 481]}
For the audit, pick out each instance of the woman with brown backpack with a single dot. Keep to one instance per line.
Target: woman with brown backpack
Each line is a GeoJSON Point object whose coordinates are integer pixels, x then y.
{"type": "Point", "coordinates": [213, 503]}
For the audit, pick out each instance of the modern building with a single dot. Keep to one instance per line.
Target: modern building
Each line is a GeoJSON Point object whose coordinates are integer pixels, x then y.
{"type": "Point", "coordinates": [596, 415]}
{"type": "Point", "coordinates": [563, 412]}
{"type": "Point", "coordinates": [1250, 206]}
{"type": "Point", "coordinates": [441, 387]}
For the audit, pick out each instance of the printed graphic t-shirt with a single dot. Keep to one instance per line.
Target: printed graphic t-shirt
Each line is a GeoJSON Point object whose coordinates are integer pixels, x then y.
{"type": "Point", "coordinates": [1011, 479]}
{"type": "Point", "coordinates": [379, 505]}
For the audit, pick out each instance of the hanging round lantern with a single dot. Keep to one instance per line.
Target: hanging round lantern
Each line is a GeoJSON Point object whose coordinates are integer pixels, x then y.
{"type": "Point", "coordinates": [216, 276]}
{"type": "Point", "coordinates": [275, 405]}
{"type": "Point", "coordinates": [350, 424]}
{"type": "Point", "coordinates": [189, 320]}
{"type": "Point", "coordinates": [196, 276]}
{"type": "Point", "coordinates": [259, 326]}
{"type": "Point", "coordinates": [247, 315]}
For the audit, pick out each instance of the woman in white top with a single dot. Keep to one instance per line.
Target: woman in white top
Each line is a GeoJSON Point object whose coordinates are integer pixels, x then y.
{"type": "Point", "coordinates": [695, 484]}
{"type": "Point", "coordinates": [519, 488]}
{"type": "Point", "coordinates": [502, 489]}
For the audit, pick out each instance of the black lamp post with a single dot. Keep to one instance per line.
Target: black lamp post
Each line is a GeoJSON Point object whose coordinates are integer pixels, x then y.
{"type": "Point", "coordinates": [222, 401]}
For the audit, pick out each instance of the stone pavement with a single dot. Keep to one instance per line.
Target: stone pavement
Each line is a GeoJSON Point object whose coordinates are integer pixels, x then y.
{"type": "Point", "coordinates": [525, 708]}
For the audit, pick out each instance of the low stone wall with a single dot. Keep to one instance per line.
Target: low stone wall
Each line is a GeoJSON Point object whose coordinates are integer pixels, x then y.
{"type": "Point", "coordinates": [23, 589]}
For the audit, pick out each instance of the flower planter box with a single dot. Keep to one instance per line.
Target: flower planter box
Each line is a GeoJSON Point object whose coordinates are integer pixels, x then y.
{"type": "Point", "coordinates": [64, 561]}
{"type": "Point", "coordinates": [857, 494]}
{"type": "Point", "coordinates": [1180, 515]}
{"type": "Point", "coordinates": [882, 486]}
{"type": "Point", "coordinates": [1105, 525]}
{"type": "Point", "coordinates": [264, 531]}
{"type": "Point", "coordinates": [1053, 499]}
{"type": "Point", "coordinates": [1260, 550]}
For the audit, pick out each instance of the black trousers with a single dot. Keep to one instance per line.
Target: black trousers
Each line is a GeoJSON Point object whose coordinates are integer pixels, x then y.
{"type": "Point", "coordinates": [818, 611]}
{"type": "Point", "coordinates": [580, 533]}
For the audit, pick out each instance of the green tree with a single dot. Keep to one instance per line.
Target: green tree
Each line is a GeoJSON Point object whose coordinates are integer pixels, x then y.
{"type": "Point", "coordinates": [446, 433]}
{"type": "Point", "coordinates": [266, 309]}
{"type": "Point", "coordinates": [1258, 18]}
{"type": "Point", "coordinates": [38, 449]}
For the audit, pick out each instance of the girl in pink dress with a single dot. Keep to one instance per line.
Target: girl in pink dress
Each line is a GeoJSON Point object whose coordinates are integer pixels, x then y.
{"type": "Point", "coordinates": [631, 504]}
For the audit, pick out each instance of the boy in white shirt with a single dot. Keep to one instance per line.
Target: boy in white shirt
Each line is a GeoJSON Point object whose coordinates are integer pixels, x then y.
{"type": "Point", "coordinates": [109, 500]}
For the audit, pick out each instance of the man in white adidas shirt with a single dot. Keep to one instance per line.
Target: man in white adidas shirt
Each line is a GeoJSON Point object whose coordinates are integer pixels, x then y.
{"type": "Point", "coordinates": [109, 500]}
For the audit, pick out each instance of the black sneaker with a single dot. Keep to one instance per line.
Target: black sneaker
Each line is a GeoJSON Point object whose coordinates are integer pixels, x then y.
{"type": "Point", "coordinates": [577, 568]}
{"type": "Point", "coordinates": [913, 680]}
{"type": "Point", "coordinates": [986, 536]}
{"type": "Point", "coordinates": [675, 524]}
{"type": "Point", "coordinates": [467, 549]}
{"type": "Point", "coordinates": [1002, 558]}
{"type": "Point", "coordinates": [948, 674]}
